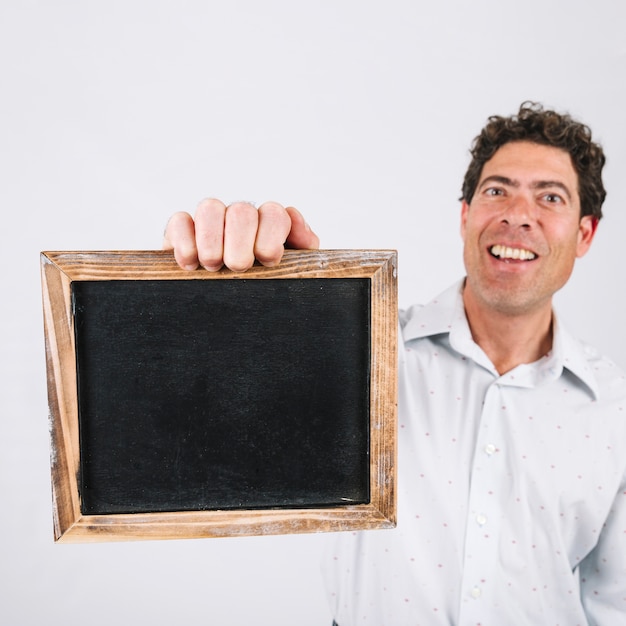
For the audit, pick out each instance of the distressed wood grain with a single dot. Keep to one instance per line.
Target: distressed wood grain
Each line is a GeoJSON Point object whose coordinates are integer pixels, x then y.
{"type": "Point", "coordinates": [60, 269]}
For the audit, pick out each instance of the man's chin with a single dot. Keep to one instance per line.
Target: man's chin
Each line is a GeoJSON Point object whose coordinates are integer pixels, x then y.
{"type": "Point", "coordinates": [511, 300]}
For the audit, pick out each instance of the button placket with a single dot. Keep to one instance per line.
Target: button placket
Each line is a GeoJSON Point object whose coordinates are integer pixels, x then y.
{"type": "Point", "coordinates": [483, 528]}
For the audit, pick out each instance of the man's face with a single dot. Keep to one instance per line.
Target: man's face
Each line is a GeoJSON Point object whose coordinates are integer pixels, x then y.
{"type": "Point", "coordinates": [522, 231]}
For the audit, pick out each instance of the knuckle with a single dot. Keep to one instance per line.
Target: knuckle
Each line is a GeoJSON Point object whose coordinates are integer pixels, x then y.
{"type": "Point", "coordinates": [241, 210]}
{"type": "Point", "coordinates": [210, 204]}
{"type": "Point", "coordinates": [272, 207]}
{"type": "Point", "coordinates": [274, 213]}
{"type": "Point", "coordinates": [178, 220]}
{"type": "Point", "coordinates": [210, 213]}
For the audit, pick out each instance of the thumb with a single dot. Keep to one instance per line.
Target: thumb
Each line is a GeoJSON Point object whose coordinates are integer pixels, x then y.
{"type": "Point", "coordinates": [300, 237]}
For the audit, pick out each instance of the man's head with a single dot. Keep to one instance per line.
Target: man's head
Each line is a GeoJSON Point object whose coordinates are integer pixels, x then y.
{"type": "Point", "coordinates": [532, 200]}
{"type": "Point", "coordinates": [545, 127]}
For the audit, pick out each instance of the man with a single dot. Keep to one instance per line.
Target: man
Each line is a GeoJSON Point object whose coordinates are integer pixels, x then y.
{"type": "Point", "coordinates": [512, 444]}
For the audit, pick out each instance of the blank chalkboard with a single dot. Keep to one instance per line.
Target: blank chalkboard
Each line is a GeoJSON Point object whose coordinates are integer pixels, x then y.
{"type": "Point", "coordinates": [212, 404]}
{"type": "Point", "coordinates": [199, 395]}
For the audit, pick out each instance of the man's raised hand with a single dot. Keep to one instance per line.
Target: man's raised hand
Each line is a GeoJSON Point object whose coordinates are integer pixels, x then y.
{"type": "Point", "coordinates": [236, 235]}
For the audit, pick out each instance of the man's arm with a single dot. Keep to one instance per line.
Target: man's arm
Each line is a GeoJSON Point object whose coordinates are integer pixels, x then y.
{"type": "Point", "coordinates": [236, 235]}
{"type": "Point", "coordinates": [603, 571]}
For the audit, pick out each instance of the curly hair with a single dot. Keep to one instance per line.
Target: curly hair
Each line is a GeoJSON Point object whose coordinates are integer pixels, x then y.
{"type": "Point", "coordinates": [533, 123]}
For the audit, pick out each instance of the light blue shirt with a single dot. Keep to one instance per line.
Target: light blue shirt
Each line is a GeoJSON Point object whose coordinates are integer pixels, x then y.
{"type": "Point", "coordinates": [512, 489]}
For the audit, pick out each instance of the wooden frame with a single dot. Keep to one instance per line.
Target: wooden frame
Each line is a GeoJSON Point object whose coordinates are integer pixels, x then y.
{"type": "Point", "coordinates": [61, 270]}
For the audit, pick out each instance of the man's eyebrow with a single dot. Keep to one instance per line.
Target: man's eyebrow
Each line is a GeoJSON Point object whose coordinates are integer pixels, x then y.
{"type": "Point", "coordinates": [496, 178]}
{"type": "Point", "coordinates": [546, 184]}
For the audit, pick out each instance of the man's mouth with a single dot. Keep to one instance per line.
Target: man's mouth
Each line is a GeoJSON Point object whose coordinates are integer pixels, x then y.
{"type": "Point", "coordinates": [516, 254]}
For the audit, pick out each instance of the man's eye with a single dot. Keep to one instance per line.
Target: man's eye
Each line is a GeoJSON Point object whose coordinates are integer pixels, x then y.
{"type": "Point", "coordinates": [493, 191]}
{"type": "Point", "coordinates": [553, 198]}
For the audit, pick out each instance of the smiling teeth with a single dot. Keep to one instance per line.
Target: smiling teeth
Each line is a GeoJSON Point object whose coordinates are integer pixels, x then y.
{"type": "Point", "coordinates": [504, 252]}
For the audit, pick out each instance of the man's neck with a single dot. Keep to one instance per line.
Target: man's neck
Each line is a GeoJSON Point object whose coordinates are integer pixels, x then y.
{"type": "Point", "coordinates": [509, 340]}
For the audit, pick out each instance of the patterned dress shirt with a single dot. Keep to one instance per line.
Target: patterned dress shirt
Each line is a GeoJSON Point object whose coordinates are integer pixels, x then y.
{"type": "Point", "coordinates": [512, 489]}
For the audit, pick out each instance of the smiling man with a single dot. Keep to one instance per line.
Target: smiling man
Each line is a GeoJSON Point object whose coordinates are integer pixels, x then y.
{"type": "Point", "coordinates": [512, 444]}
{"type": "Point", "coordinates": [522, 231]}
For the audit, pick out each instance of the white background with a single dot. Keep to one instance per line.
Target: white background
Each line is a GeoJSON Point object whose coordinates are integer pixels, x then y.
{"type": "Point", "coordinates": [114, 114]}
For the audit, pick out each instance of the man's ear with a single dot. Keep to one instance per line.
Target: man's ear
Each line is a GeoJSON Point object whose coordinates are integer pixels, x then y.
{"type": "Point", "coordinates": [586, 232]}
{"type": "Point", "coordinates": [464, 211]}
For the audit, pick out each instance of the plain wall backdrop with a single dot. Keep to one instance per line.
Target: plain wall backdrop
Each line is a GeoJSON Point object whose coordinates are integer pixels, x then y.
{"type": "Point", "coordinates": [116, 113]}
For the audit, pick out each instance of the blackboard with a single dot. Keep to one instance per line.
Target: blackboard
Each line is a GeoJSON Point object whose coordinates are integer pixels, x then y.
{"type": "Point", "coordinates": [201, 396]}
{"type": "Point", "coordinates": [209, 404]}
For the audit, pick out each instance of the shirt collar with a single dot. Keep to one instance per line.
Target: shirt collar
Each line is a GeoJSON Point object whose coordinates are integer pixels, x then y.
{"type": "Point", "coordinates": [574, 356]}
{"type": "Point", "coordinates": [446, 315]}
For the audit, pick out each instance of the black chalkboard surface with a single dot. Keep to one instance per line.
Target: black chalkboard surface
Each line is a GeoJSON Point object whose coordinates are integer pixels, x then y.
{"type": "Point", "coordinates": [209, 404]}
{"type": "Point", "coordinates": [223, 394]}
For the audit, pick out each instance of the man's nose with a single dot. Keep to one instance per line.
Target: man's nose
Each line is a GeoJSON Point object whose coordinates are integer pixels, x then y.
{"type": "Point", "coordinates": [520, 211]}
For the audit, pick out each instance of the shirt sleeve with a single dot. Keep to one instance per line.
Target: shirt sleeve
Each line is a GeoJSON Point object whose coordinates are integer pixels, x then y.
{"type": "Point", "coordinates": [603, 571]}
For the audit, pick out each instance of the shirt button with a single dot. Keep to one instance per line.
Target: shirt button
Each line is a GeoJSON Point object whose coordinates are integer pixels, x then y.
{"type": "Point", "coordinates": [490, 448]}
{"type": "Point", "coordinates": [481, 519]}
{"type": "Point", "coordinates": [475, 592]}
